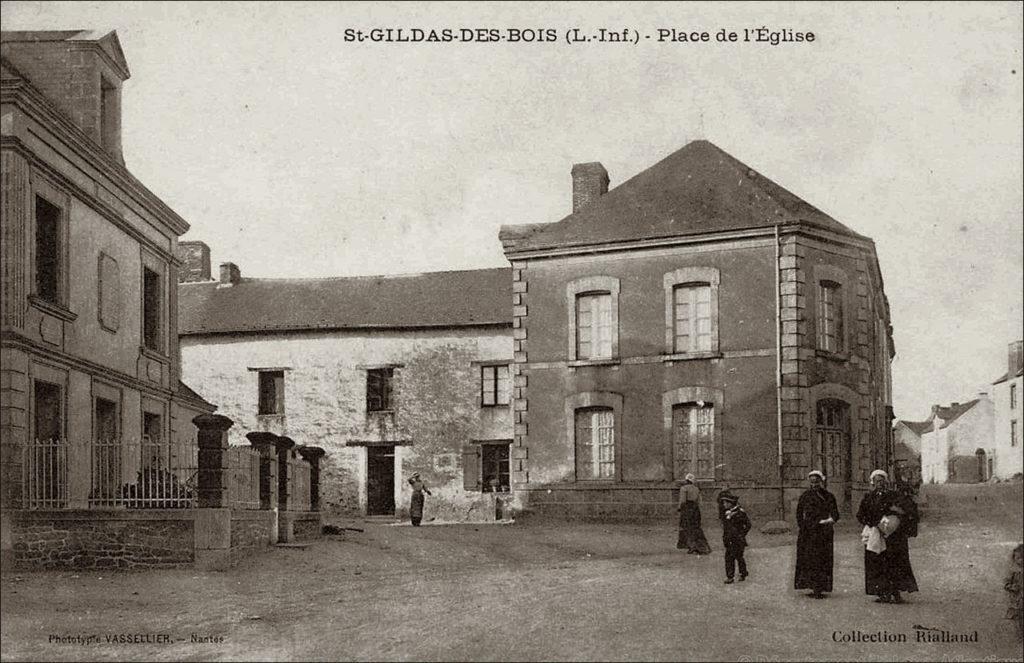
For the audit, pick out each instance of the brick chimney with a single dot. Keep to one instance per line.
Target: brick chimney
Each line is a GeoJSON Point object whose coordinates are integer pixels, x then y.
{"type": "Point", "coordinates": [80, 72]}
{"type": "Point", "coordinates": [195, 257]}
{"type": "Point", "coordinates": [589, 182]}
{"type": "Point", "coordinates": [229, 275]}
{"type": "Point", "coordinates": [1014, 357]}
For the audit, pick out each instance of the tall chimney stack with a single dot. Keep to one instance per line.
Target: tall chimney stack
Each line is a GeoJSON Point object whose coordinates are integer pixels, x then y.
{"type": "Point", "coordinates": [196, 259]}
{"type": "Point", "coordinates": [229, 275]}
{"type": "Point", "coordinates": [589, 182]}
{"type": "Point", "coordinates": [1014, 358]}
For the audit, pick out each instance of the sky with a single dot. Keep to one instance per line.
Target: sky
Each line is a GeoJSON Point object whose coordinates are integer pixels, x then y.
{"type": "Point", "coordinates": [295, 153]}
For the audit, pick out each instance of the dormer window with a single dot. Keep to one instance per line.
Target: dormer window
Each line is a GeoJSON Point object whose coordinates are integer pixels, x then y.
{"type": "Point", "coordinates": [110, 124]}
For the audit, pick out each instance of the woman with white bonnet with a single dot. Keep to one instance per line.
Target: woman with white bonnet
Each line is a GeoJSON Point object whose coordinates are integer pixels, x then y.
{"type": "Point", "coordinates": [816, 513]}
{"type": "Point", "coordinates": [888, 518]}
{"type": "Point", "coordinates": [691, 536]}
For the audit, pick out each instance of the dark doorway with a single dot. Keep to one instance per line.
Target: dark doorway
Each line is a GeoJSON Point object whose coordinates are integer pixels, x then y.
{"type": "Point", "coordinates": [380, 481]}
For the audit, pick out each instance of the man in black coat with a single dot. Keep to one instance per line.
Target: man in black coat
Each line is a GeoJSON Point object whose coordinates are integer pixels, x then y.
{"type": "Point", "coordinates": [816, 513]}
{"type": "Point", "coordinates": [735, 525]}
{"type": "Point", "coordinates": [887, 573]}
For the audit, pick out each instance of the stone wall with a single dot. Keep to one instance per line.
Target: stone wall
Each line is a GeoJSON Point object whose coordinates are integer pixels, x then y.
{"type": "Point", "coordinates": [96, 540]}
{"type": "Point", "coordinates": [306, 526]}
{"type": "Point", "coordinates": [250, 533]}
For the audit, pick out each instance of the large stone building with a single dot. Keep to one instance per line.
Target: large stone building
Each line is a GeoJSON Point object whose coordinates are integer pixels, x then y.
{"type": "Point", "coordinates": [89, 348]}
{"type": "Point", "coordinates": [389, 374]}
{"type": "Point", "coordinates": [697, 318]}
{"type": "Point", "coordinates": [1006, 395]}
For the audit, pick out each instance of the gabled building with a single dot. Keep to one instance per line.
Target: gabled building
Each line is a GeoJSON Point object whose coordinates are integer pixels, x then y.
{"type": "Point", "coordinates": [90, 364]}
{"type": "Point", "coordinates": [1006, 394]}
{"type": "Point", "coordinates": [907, 449]}
{"type": "Point", "coordinates": [390, 375]}
{"type": "Point", "coordinates": [957, 448]}
{"type": "Point", "coordinates": [698, 318]}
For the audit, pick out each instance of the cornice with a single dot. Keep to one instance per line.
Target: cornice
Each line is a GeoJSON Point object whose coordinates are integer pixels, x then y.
{"type": "Point", "coordinates": [22, 94]}
{"type": "Point", "coordinates": [15, 144]}
{"type": "Point", "coordinates": [11, 339]}
{"type": "Point", "coordinates": [98, 48]}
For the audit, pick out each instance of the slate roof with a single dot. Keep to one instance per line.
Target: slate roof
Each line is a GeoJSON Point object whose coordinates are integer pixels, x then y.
{"type": "Point", "coordinates": [918, 427]}
{"type": "Point", "coordinates": [108, 41]}
{"type": "Point", "coordinates": [187, 393]}
{"type": "Point", "coordinates": [953, 412]}
{"type": "Point", "coordinates": [438, 299]}
{"type": "Point", "coordinates": [1006, 376]}
{"type": "Point", "coordinates": [697, 189]}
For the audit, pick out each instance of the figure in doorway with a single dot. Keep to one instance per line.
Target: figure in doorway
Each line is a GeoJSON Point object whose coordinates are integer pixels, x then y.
{"type": "Point", "coordinates": [691, 536]}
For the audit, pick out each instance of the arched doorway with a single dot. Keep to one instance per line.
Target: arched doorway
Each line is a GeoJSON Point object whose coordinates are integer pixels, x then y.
{"type": "Point", "coordinates": [831, 449]}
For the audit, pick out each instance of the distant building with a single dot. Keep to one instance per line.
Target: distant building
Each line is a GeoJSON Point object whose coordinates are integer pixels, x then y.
{"type": "Point", "coordinates": [389, 374]}
{"type": "Point", "coordinates": [1006, 392]}
{"type": "Point", "coordinates": [90, 364]}
{"type": "Point", "coordinates": [958, 446]}
{"type": "Point", "coordinates": [907, 449]}
{"type": "Point", "coordinates": [698, 318]}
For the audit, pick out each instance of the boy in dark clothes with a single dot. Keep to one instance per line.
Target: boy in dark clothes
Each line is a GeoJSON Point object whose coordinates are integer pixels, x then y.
{"type": "Point", "coordinates": [735, 525]}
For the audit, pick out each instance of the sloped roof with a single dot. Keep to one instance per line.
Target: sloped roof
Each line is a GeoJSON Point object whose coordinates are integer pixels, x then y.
{"type": "Point", "coordinates": [437, 299]}
{"type": "Point", "coordinates": [1006, 376]}
{"type": "Point", "coordinates": [953, 412]}
{"type": "Point", "coordinates": [918, 427]}
{"type": "Point", "coordinates": [186, 392]}
{"type": "Point", "coordinates": [697, 189]}
{"type": "Point", "coordinates": [108, 41]}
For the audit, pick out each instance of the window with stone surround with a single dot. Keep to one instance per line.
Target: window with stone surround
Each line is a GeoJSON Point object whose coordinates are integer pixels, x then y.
{"type": "Point", "coordinates": [271, 392]}
{"type": "Point", "coordinates": [49, 251]}
{"type": "Point", "coordinates": [495, 385]}
{"type": "Point", "coordinates": [831, 438]}
{"type": "Point", "coordinates": [109, 293]}
{"type": "Point", "coordinates": [831, 336]}
{"type": "Point", "coordinates": [595, 444]}
{"type": "Point", "coordinates": [379, 389]}
{"type": "Point", "coordinates": [1014, 433]}
{"type": "Point", "coordinates": [593, 312]}
{"type": "Point", "coordinates": [152, 309]}
{"type": "Point", "coordinates": [693, 438]}
{"type": "Point", "coordinates": [691, 311]}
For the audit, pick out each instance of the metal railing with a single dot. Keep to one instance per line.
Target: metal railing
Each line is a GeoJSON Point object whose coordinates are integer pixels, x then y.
{"type": "Point", "coordinates": [298, 485]}
{"type": "Point", "coordinates": [104, 474]}
{"type": "Point", "coordinates": [243, 478]}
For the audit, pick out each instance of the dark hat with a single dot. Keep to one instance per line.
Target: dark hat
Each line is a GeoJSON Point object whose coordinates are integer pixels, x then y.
{"type": "Point", "coordinates": [727, 496]}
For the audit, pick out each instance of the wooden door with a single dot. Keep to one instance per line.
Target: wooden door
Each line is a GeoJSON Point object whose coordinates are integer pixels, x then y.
{"type": "Point", "coordinates": [380, 481]}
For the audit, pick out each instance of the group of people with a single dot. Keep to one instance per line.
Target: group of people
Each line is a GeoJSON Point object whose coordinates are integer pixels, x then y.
{"type": "Point", "coordinates": [889, 518]}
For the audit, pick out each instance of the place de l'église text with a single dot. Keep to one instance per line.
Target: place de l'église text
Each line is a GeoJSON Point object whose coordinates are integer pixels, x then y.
{"type": "Point", "coordinates": [542, 35]}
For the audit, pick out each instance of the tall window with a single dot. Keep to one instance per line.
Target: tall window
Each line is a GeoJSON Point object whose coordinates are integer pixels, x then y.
{"type": "Point", "coordinates": [1014, 433]}
{"type": "Point", "coordinates": [692, 315]}
{"type": "Point", "coordinates": [379, 389]}
{"type": "Point", "coordinates": [271, 397]}
{"type": "Point", "coordinates": [494, 385]}
{"type": "Point", "coordinates": [46, 474]}
{"type": "Point", "coordinates": [152, 427]}
{"type": "Point", "coordinates": [831, 438]}
{"type": "Point", "coordinates": [1013, 397]}
{"type": "Point", "coordinates": [152, 298]}
{"type": "Point", "coordinates": [49, 252]}
{"type": "Point", "coordinates": [693, 439]}
{"type": "Point", "coordinates": [595, 444]}
{"type": "Point", "coordinates": [594, 328]}
{"type": "Point", "coordinates": [830, 316]}
{"type": "Point", "coordinates": [495, 468]}
{"type": "Point", "coordinates": [108, 114]}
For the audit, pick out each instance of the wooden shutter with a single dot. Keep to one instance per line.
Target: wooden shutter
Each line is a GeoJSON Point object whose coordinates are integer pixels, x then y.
{"type": "Point", "coordinates": [471, 467]}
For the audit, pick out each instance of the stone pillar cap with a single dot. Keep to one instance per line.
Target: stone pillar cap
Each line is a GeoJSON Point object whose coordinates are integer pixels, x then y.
{"type": "Point", "coordinates": [311, 453]}
{"type": "Point", "coordinates": [284, 443]}
{"type": "Point", "coordinates": [261, 437]}
{"type": "Point", "coordinates": [212, 422]}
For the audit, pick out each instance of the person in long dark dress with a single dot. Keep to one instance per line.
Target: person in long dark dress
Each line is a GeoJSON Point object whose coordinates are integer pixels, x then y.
{"type": "Point", "coordinates": [416, 504]}
{"type": "Point", "coordinates": [888, 572]}
{"type": "Point", "coordinates": [816, 513]}
{"type": "Point", "coordinates": [691, 536]}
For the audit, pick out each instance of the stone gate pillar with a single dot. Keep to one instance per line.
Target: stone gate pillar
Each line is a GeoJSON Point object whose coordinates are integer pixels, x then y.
{"type": "Point", "coordinates": [213, 517]}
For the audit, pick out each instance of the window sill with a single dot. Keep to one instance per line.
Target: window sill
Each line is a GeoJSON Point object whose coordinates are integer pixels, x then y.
{"type": "Point", "coordinates": [265, 416]}
{"type": "Point", "coordinates": [690, 356]}
{"type": "Point", "coordinates": [491, 406]}
{"type": "Point", "coordinates": [52, 308]}
{"type": "Point", "coordinates": [593, 362]}
{"type": "Point", "coordinates": [371, 413]}
{"type": "Point", "coordinates": [832, 356]}
{"type": "Point", "coordinates": [155, 355]}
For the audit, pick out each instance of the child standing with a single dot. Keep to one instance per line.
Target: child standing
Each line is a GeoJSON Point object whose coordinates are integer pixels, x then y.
{"type": "Point", "coordinates": [735, 525]}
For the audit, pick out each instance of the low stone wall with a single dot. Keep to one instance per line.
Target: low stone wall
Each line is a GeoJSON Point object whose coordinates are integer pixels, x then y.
{"type": "Point", "coordinates": [250, 533]}
{"type": "Point", "coordinates": [89, 539]}
{"type": "Point", "coordinates": [306, 525]}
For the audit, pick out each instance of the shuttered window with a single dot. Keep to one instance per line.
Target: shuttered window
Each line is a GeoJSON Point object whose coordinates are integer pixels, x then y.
{"type": "Point", "coordinates": [271, 396]}
{"type": "Point", "coordinates": [693, 439]}
{"type": "Point", "coordinates": [595, 444]}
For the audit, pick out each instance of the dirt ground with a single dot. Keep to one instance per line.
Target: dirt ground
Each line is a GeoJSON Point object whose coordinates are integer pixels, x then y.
{"type": "Point", "coordinates": [538, 591]}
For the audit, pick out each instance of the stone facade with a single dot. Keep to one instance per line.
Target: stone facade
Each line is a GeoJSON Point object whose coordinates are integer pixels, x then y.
{"type": "Point", "coordinates": [437, 412]}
